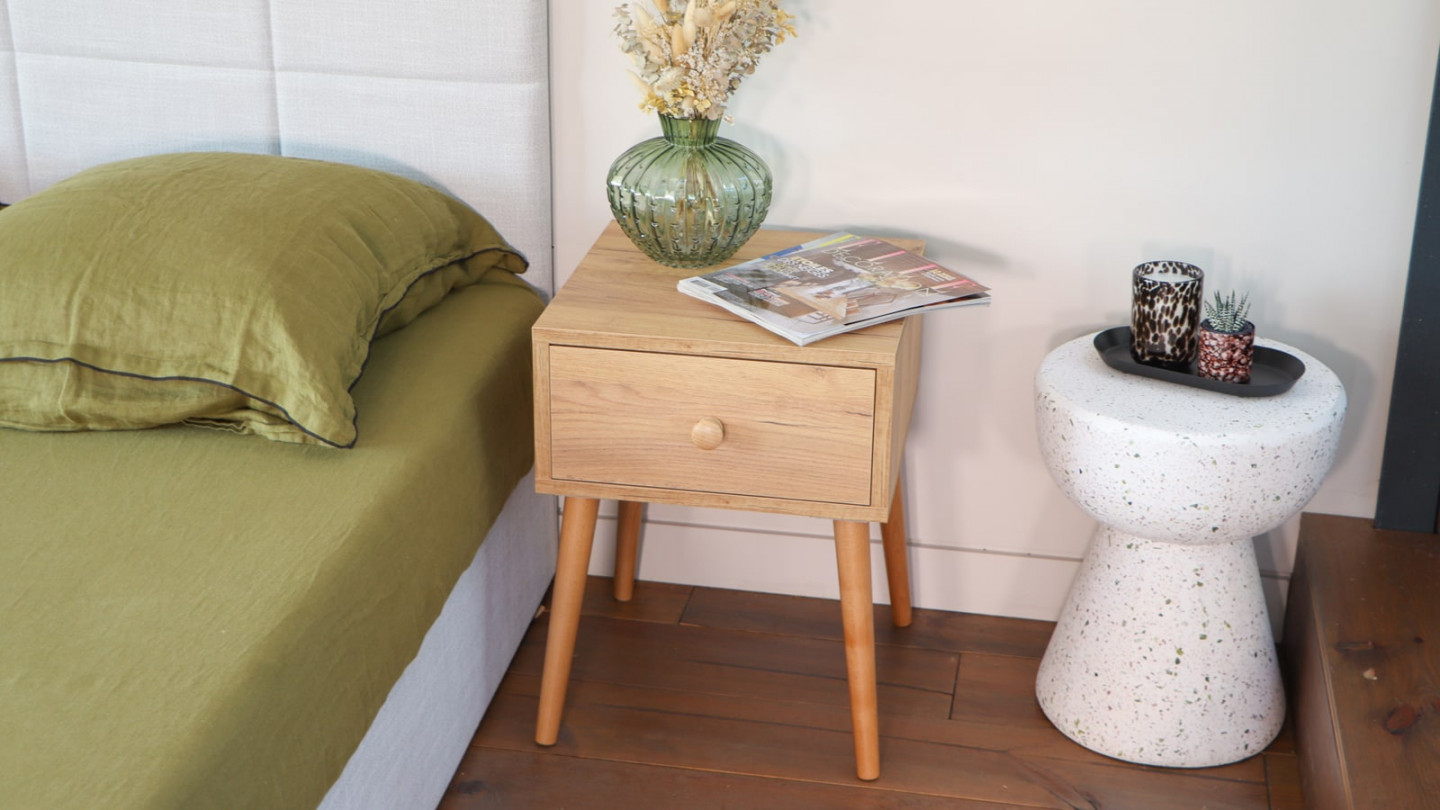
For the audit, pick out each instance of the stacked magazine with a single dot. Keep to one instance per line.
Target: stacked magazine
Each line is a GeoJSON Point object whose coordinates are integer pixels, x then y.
{"type": "Point", "coordinates": [834, 284]}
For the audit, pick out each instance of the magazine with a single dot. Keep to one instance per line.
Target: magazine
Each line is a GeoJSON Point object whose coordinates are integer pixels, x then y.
{"type": "Point", "coordinates": [834, 284]}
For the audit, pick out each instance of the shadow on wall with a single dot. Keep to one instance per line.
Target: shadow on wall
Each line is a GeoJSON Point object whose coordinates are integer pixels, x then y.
{"type": "Point", "coordinates": [1354, 374]}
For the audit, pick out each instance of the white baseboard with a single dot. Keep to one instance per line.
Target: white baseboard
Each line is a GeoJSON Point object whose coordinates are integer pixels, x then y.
{"type": "Point", "coordinates": [799, 563]}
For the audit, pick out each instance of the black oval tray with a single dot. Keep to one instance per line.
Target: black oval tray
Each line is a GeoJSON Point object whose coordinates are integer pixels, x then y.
{"type": "Point", "coordinates": [1271, 372]}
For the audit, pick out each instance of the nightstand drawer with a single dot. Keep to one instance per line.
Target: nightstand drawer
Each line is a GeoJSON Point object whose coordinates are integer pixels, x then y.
{"type": "Point", "coordinates": [792, 431]}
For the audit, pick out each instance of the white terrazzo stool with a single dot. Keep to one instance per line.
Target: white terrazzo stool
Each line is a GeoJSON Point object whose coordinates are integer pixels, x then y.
{"type": "Point", "coordinates": [1163, 654]}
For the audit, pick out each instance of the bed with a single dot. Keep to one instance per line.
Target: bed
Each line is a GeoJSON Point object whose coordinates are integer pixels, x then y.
{"type": "Point", "coordinates": [194, 617]}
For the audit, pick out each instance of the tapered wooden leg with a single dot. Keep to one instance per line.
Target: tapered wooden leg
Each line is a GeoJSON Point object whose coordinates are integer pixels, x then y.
{"type": "Point", "coordinates": [627, 546]}
{"type": "Point", "coordinates": [857, 608]}
{"type": "Point", "coordinates": [897, 563]}
{"type": "Point", "coordinates": [577, 534]}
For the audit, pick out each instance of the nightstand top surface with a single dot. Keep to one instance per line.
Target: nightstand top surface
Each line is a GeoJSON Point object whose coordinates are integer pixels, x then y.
{"type": "Point", "coordinates": [618, 297]}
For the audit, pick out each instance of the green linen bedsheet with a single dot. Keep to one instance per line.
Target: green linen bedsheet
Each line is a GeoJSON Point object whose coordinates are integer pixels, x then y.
{"type": "Point", "coordinates": [194, 619]}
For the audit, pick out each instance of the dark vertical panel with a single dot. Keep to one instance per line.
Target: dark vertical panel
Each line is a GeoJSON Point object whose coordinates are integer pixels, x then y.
{"type": "Point", "coordinates": [1410, 471]}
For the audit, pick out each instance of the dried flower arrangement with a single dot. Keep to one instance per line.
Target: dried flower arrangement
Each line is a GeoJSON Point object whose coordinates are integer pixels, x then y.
{"type": "Point", "coordinates": [688, 61]}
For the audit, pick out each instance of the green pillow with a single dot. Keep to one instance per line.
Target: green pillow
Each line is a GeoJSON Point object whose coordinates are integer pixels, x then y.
{"type": "Point", "coordinates": [230, 290]}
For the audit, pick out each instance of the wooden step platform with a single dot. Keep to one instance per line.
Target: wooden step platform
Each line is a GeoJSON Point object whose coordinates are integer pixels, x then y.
{"type": "Point", "coordinates": [1362, 651]}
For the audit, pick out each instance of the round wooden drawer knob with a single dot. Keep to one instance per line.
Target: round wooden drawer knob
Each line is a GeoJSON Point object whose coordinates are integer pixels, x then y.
{"type": "Point", "coordinates": [708, 433]}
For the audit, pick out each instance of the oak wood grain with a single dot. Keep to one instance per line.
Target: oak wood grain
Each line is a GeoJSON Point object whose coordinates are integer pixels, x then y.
{"type": "Point", "coordinates": [816, 618]}
{"type": "Point", "coordinates": [895, 544]}
{"type": "Point", "coordinates": [643, 401]}
{"type": "Point", "coordinates": [732, 663]}
{"type": "Point", "coordinates": [577, 534]}
{"type": "Point", "coordinates": [1282, 776]}
{"type": "Point", "coordinates": [791, 740]}
{"type": "Point", "coordinates": [857, 613]}
{"type": "Point", "coordinates": [749, 700]}
{"type": "Point", "coordinates": [651, 602]}
{"type": "Point", "coordinates": [627, 548]}
{"type": "Point", "coordinates": [898, 387]}
{"type": "Point", "coordinates": [621, 299]}
{"type": "Point", "coordinates": [521, 780]}
{"type": "Point", "coordinates": [997, 689]}
{"type": "Point", "coordinates": [663, 347]}
{"type": "Point", "coordinates": [1366, 664]}
{"type": "Point", "coordinates": [792, 431]}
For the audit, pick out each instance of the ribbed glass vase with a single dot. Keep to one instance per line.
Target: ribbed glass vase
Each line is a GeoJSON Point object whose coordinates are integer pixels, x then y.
{"type": "Point", "coordinates": [689, 198]}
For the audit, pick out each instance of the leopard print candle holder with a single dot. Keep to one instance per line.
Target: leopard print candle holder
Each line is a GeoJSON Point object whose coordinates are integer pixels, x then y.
{"type": "Point", "coordinates": [1165, 314]}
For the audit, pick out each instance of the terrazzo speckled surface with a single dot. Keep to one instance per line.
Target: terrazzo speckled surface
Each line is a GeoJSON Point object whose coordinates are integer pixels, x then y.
{"type": "Point", "coordinates": [1163, 653]}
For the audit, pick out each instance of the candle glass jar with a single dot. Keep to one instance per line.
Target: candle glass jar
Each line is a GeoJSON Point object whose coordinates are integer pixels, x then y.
{"type": "Point", "coordinates": [1165, 314]}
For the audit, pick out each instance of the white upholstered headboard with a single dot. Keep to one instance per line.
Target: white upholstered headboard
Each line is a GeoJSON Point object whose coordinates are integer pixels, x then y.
{"type": "Point", "coordinates": [450, 92]}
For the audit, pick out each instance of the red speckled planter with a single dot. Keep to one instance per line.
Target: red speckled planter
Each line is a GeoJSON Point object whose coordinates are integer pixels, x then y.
{"type": "Point", "coordinates": [1226, 357]}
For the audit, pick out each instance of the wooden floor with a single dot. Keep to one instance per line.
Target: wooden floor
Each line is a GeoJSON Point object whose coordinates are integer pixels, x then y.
{"type": "Point", "coordinates": [1361, 629]}
{"type": "Point", "coordinates": [702, 698]}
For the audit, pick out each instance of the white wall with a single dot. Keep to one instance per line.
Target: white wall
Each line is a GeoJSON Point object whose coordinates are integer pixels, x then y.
{"type": "Point", "coordinates": [1046, 148]}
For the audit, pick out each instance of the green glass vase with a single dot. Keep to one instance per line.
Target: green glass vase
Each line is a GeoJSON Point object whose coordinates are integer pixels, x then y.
{"type": "Point", "coordinates": [689, 198]}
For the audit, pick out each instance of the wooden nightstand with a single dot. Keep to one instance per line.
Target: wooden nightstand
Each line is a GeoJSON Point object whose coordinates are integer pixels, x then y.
{"type": "Point", "coordinates": [643, 394]}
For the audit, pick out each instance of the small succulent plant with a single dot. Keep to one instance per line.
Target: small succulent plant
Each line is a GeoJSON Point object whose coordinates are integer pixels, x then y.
{"type": "Point", "coordinates": [1226, 314]}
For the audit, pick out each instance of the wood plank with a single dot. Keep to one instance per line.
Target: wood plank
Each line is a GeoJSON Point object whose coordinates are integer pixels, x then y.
{"type": "Point", "coordinates": [731, 663]}
{"type": "Point", "coordinates": [651, 602]}
{"type": "Point", "coordinates": [1311, 710]}
{"type": "Point", "coordinates": [1282, 775]}
{"type": "Point", "coordinates": [1034, 743]}
{"type": "Point", "coordinates": [997, 689]}
{"type": "Point", "coordinates": [684, 728]}
{"type": "Point", "coordinates": [820, 618]}
{"type": "Point", "coordinates": [518, 780]}
{"type": "Point", "coordinates": [995, 707]}
{"type": "Point", "coordinates": [1370, 607]}
{"type": "Point", "coordinates": [1284, 742]}
{"type": "Point", "coordinates": [905, 713]}
{"type": "Point", "coordinates": [812, 742]}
